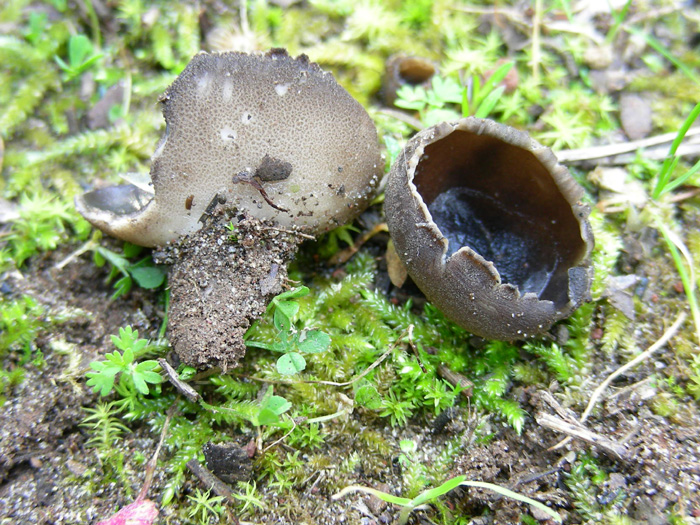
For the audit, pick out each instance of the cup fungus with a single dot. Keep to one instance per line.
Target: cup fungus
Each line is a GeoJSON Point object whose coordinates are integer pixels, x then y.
{"type": "Point", "coordinates": [269, 143]}
{"type": "Point", "coordinates": [490, 227]}
{"type": "Point", "coordinates": [402, 70]}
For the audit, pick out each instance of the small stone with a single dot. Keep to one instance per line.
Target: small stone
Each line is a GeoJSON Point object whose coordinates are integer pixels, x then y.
{"type": "Point", "coordinates": [376, 505]}
{"type": "Point", "coordinates": [598, 57]}
{"type": "Point", "coordinates": [635, 116]}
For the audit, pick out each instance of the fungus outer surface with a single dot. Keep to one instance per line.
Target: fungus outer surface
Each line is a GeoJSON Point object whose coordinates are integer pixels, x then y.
{"type": "Point", "coordinates": [280, 118]}
{"type": "Point", "coordinates": [258, 152]}
{"type": "Point", "coordinates": [490, 228]}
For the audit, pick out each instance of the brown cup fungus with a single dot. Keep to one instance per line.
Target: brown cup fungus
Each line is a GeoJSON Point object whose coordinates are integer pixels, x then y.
{"type": "Point", "coordinates": [490, 227]}
{"type": "Point", "coordinates": [269, 145]}
{"type": "Point", "coordinates": [402, 70]}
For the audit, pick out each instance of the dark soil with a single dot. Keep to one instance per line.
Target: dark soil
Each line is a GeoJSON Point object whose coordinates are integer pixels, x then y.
{"type": "Point", "coordinates": [221, 281]}
{"type": "Point", "coordinates": [44, 460]}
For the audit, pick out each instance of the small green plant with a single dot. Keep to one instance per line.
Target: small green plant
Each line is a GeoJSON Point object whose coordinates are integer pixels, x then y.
{"type": "Point", "coordinates": [291, 342]}
{"type": "Point", "coordinates": [432, 104]}
{"type": "Point", "coordinates": [20, 322]}
{"type": "Point", "coordinates": [233, 236]}
{"type": "Point", "coordinates": [307, 436]}
{"type": "Point", "coordinates": [270, 409]}
{"type": "Point", "coordinates": [81, 56]}
{"type": "Point", "coordinates": [398, 410]}
{"type": "Point", "coordinates": [41, 226]}
{"type": "Point", "coordinates": [330, 243]}
{"type": "Point", "coordinates": [133, 376]}
{"type": "Point", "coordinates": [409, 505]}
{"type": "Point", "coordinates": [438, 103]}
{"type": "Point", "coordinates": [144, 272]}
{"type": "Point", "coordinates": [106, 430]}
{"type": "Point", "coordinates": [414, 473]}
{"type": "Point", "coordinates": [265, 413]}
{"type": "Point", "coordinates": [205, 506]}
{"type": "Point", "coordinates": [9, 379]}
{"type": "Point", "coordinates": [666, 182]}
{"type": "Point", "coordinates": [249, 497]}
{"type": "Point", "coordinates": [694, 385]}
{"type": "Point", "coordinates": [585, 483]}
{"type": "Point", "coordinates": [483, 98]}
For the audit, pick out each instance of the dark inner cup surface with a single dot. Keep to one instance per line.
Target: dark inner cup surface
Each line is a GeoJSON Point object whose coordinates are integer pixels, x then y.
{"type": "Point", "coordinates": [121, 200]}
{"type": "Point", "coordinates": [500, 201]}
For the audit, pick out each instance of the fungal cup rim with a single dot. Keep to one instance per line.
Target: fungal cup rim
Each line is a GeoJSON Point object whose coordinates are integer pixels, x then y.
{"type": "Point", "coordinates": [519, 313]}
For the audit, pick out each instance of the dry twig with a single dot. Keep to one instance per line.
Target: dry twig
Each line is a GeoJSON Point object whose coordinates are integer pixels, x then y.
{"type": "Point", "coordinates": [631, 364]}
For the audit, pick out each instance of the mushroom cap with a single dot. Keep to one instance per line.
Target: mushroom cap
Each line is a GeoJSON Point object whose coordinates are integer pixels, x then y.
{"type": "Point", "coordinates": [490, 228]}
{"type": "Point", "coordinates": [279, 120]}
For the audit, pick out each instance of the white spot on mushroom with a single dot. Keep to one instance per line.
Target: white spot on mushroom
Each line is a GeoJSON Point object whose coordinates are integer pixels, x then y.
{"type": "Point", "coordinates": [246, 118]}
{"type": "Point", "coordinates": [281, 89]}
{"type": "Point", "coordinates": [203, 85]}
{"type": "Point", "coordinates": [228, 134]}
{"type": "Point", "coordinates": [227, 91]}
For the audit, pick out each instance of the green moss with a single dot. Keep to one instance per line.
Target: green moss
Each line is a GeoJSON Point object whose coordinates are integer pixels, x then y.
{"type": "Point", "coordinates": [50, 155]}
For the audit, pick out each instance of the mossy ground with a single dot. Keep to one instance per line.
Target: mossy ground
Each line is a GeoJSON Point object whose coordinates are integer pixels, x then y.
{"type": "Point", "coordinates": [66, 125]}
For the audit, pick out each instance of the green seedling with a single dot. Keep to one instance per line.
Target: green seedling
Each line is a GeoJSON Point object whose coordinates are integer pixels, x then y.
{"type": "Point", "coordinates": [249, 498]}
{"type": "Point", "coordinates": [132, 374]}
{"type": "Point", "coordinates": [267, 413]}
{"type": "Point", "coordinates": [440, 101]}
{"type": "Point", "coordinates": [483, 99]}
{"type": "Point", "coordinates": [666, 182]}
{"type": "Point", "coordinates": [20, 322]}
{"type": "Point", "coordinates": [271, 408]}
{"type": "Point", "coordinates": [206, 506]}
{"type": "Point", "coordinates": [413, 471]}
{"type": "Point", "coordinates": [291, 342]}
{"type": "Point", "coordinates": [40, 226]}
{"type": "Point", "coordinates": [331, 242]}
{"type": "Point", "coordinates": [432, 104]}
{"type": "Point", "coordinates": [81, 57]}
{"type": "Point", "coordinates": [38, 22]}
{"type": "Point", "coordinates": [144, 272]}
{"type": "Point", "coordinates": [233, 236]}
{"type": "Point", "coordinates": [409, 505]}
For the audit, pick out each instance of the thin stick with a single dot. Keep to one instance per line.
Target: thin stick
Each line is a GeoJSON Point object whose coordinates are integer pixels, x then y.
{"type": "Point", "coordinates": [536, 48]}
{"type": "Point", "coordinates": [611, 150]}
{"type": "Point", "coordinates": [185, 389]}
{"type": "Point", "coordinates": [291, 232]}
{"type": "Point", "coordinates": [294, 425]}
{"type": "Point", "coordinates": [210, 480]}
{"type": "Point", "coordinates": [641, 357]}
{"type": "Point", "coordinates": [152, 463]}
{"type": "Point", "coordinates": [403, 117]}
{"type": "Point", "coordinates": [89, 245]}
{"type": "Point", "coordinates": [634, 362]}
{"type": "Point", "coordinates": [455, 379]}
{"type": "Point", "coordinates": [578, 431]}
{"type": "Point", "coordinates": [415, 350]}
